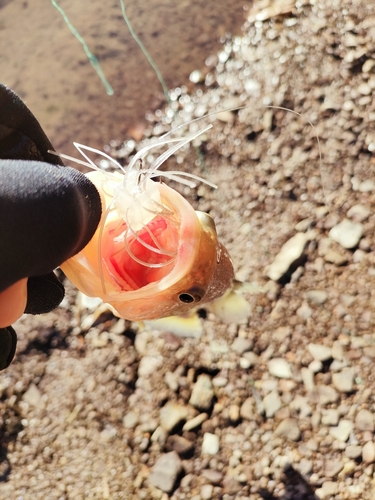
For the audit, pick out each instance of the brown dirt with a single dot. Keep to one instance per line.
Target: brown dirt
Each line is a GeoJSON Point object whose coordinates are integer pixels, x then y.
{"type": "Point", "coordinates": [81, 410]}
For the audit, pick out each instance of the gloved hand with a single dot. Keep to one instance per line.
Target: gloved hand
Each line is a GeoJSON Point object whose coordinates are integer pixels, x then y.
{"type": "Point", "coordinates": [48, 213]}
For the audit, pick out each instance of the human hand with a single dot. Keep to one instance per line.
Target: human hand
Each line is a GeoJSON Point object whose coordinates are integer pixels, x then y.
{"type": "Point", "coordinates": [48, 213]}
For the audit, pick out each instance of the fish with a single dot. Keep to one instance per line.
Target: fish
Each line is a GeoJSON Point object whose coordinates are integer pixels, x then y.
{"type": "Point", "coordinates": [152, 255]}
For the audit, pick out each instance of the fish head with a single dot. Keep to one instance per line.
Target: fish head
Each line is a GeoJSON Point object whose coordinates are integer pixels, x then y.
{"type": "Point", "coordinates": [151, 262]}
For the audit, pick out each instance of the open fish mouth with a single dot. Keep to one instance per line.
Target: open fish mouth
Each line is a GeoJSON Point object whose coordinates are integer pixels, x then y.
{"type": "Point", "coordinates": [149, 265]}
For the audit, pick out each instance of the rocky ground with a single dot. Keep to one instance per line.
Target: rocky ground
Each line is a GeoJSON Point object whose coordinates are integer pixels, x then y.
{"type": "Point", "coordinates": [280, 406]}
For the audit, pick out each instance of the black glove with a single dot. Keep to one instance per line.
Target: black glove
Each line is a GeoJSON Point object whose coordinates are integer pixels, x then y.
{"type": "Point", "coordinates": [48, 212]}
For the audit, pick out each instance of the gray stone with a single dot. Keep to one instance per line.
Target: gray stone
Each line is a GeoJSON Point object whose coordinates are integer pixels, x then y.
{"type": "Point", "coordinates": [288, 428]}
{"type": "Point", "coordinates": [179, 444]}
{"type": "Point", "coordinates": [213, 476]}
{"type": "Point", "coordinates": [347, 233]}
{"type": "Point", "coordinates": [203, 393]}
{"type": "Point", "coordinates": [172, 414]}
{"type": "Point", "coordinates": [327, 394]}
{"type": "Point", "coordinates": [164, 473]}
{"type": "Point", "coordinates": [332, 468]}
{"type": "Point", "coordinates": [344, 380]}
{"type": "Point", "coordinates": [279, 367]}
{"type": "Point", "coordinates": [364, 421]}
{"type": "Point", "coordinates": [320, 352]}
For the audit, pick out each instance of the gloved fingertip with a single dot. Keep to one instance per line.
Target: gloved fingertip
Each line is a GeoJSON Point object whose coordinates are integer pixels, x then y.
{"type": "Point", "coordinates": [8, 344]}
{"type": "Point", "coordinates": [44, 293]}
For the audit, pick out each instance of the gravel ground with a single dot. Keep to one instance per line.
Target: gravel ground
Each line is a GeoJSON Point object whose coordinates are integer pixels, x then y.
{"type": "Point", "coordinates": [281, 406]}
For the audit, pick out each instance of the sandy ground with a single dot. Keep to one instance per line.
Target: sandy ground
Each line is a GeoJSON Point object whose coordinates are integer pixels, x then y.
{"type": "Point", "coordinates": [282, 405]}
{"type": "Point", "coordinates": [42, 61]}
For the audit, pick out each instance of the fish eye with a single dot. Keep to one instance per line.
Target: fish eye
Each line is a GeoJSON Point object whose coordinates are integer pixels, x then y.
{"type": "Point", "coordinates": [190, 296]}
{"type": "Point", "coordinates": [186, 298]}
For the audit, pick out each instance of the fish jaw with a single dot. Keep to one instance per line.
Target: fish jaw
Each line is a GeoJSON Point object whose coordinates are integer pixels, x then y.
{"type": "Point", "coordinates": [192, 276]}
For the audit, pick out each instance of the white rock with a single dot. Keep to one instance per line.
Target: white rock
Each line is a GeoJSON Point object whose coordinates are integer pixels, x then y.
{"type": "Point", "coordinates": [202, 394]}
{"type": "Point", "coordinates": [307, 379]}
{"type": "Point", "coordinates": [317, 296]}
{"type": "Point", "coordinates": [358, 213]}
{"type": "Point", "coordinates": [342, 431]}
{"type": "Point", "coordinates": [172, 414]}
{"type": "Point", "coordinates": [289, 253]}
{"type": "Point", "coordinates": [304, 311]}
{"type": "Point", "coordinates": [344, 380]}
{"type": "Point", "coordinates": [272, 403]}
{"type": "Point", "coordinates": [328, 489]}
{"type": "Point", "coordinates": [320, 352]}
{"type": "Point", "coordinates": [148, 365]}
{"type": "Point", "coordinates": [347, 233]}
{"type": "Point", "coordinates": [279, 367]}
{"type": "Point", "coordinates": [288, 428]}
{"type": "Point", "coordinates": [211, 444]}
{"type": "Point", "coordinates": [33, 396]}
{"type": "Point", "coordinates": [330, 416]}
{"type": "Point", "coordinates": [366, 186]}
{"type": "Point", "coordinates": [368, 452]}
{"type": "Point", "coordinates": [241, 345]}
{"type": "Point", "coordinates": [207, 491]}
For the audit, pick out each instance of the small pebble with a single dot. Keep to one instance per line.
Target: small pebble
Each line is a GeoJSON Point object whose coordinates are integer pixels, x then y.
{"type": "Point", "coordinates": [344, 380]}
{"type": "Point", "coordinates": [164, 473]}
{"type": "Point", "coordinates": [202, 394]}
{"type": "Point", "coordinates": [272, 403]}
{"type": "Point", "coordinates": [332, 468]}
{"type": "Point", "coordinates": [195, 422]}
{"type": "Point", "coordinates": [247, 410]}
{"type": "Point", "coordinates": [211, 444]}
{"type": "Point", "coordinates": [327, 394]}
{"type": "Point", "coordinates": [207, 491]}
{"type": "Point", "coordinates": [320, 352]}
{"type": "Point", "coordinates": [347, 233]}
{"type": "Point", "coordinates": [307, 379]}
{"type": "Point", "coordinates": [241, 345]}
{"type": "Point", "coordinates": [368, 452]}
{"type": "Point", "coordinates": [330, 417]}
{"type": "Point", "coordinates": [289, 253]}
{"type": "Point", "coordinates": [279, 367]}
{"type": "Point", "coordinates": [358, 213]}
{"type": "Point", "coordinates": [328, 489]}
{"type": "Point", "coordinates": [353, 451]}
{"type": "Point", "coordinates": [288, 428]}
{"type": "Point", "coordinates": [318, 297]}
{"type": "Point", "coordinates": [364, 421]}
{"type": "Point", "coordinates": [171, 414]}
{"type": "Point", "coordinates": [342, 431]}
